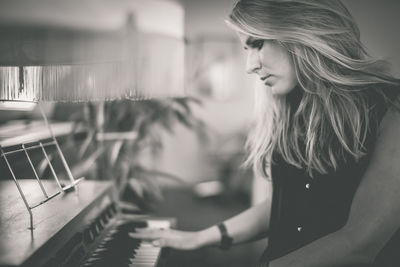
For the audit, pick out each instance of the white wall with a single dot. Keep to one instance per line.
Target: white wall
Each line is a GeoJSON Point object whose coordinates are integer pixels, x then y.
{"type": "Point", "coordinates": [379, 26]}
{"type": "Point", "coordinates": [183, 154]}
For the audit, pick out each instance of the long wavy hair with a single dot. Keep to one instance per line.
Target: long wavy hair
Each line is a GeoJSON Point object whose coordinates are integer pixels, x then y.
{"type": "Point", "coordinates": [331, 117]}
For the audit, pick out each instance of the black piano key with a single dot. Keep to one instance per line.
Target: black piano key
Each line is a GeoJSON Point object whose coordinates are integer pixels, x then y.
{"type": "Point", "coordinates": [121, 247]}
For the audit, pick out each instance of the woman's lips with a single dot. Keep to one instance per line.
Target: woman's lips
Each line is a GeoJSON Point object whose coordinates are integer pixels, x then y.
{"type": "Point", "coordinates": [265, 77]}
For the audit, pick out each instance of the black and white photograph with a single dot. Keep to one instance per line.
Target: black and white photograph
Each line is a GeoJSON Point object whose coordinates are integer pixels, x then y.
{"type": "Point", "coordinates": [199, 133]}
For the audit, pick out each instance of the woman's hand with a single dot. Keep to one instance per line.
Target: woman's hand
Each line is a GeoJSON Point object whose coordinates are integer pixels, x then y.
{"type": "Point", "coordinates": [169, 238]}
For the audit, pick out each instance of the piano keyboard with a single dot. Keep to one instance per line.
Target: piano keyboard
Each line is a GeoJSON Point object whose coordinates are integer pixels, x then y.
{"type": "Point", "coordinates": [119, 250]}
{"type": "Point", "coordinates": [82, 228]}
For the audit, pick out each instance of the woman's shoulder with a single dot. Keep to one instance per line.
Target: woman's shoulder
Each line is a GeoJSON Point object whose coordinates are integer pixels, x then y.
{"type": "Point", "coordinates": [391, 101]}
{"type": "Point", "coordinates": [388, 132]}
{"type": "Point", "coordinates": [382, 99]}
{"type": "Point", "coordinates": [391, 119]}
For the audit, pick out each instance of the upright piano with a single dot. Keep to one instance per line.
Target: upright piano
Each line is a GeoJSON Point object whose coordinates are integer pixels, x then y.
{"type": "Point", "coordinates": [83, 50]}
{"type": "Point", "coordinates": [82, 227]}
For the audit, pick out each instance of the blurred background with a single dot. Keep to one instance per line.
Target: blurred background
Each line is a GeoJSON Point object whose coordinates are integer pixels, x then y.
{"type": "Point", "coordinates": [181, 156]}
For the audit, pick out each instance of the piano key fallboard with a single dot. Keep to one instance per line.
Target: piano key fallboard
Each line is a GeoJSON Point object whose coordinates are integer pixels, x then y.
{"type": "Point", "coordinates": [84, 227]}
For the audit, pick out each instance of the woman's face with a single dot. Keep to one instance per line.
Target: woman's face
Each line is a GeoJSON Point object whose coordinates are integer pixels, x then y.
{"type": "Point", "coordinates": [271, 62]}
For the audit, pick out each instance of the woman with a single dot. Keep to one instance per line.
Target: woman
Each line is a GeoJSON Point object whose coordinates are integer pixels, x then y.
{"type": "Point", "coordinates": [327, 128]}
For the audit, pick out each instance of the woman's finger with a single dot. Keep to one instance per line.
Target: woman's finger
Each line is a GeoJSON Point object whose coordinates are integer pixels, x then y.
{"type": "Point", "coordinates": [144, 235]}
{"type": "Point", "coordinates": [148, 233]}
{"type": "Point", "coordinates": [141, 236]}
{"type": "Point", "coordinates": [158, 243]}
{"type": "Point", "coordinates": [164, 243]}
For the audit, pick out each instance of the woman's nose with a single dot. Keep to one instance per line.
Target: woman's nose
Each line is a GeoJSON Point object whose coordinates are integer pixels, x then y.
{"type": "Point", "coordinates": [253, 63]}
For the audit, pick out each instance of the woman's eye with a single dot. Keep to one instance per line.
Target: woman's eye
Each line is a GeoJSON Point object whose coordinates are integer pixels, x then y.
{"type": "Point", "coordinates": [254, 44]}
{"type": "Point", "coordinates": [258, 44]}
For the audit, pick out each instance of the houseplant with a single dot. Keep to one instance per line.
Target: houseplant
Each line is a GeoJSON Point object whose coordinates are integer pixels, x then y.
{"type": "Point", "coordinates": [120, 134]}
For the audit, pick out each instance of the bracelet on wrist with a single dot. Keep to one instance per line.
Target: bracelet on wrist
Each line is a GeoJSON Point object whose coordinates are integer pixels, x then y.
{"type": "Point", "coordinates": [226, 240]}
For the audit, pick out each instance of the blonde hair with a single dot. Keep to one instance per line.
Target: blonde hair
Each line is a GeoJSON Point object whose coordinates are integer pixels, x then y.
{"type": "Point", "coordinates": [335, 74]}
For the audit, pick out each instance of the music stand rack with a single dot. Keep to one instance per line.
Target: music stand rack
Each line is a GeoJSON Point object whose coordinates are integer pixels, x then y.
{"type": "Point", "coordinates": [25, 147]}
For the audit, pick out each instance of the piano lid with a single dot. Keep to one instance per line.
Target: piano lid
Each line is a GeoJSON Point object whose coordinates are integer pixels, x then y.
{"type": "Point", "coordinates": [85, 50]}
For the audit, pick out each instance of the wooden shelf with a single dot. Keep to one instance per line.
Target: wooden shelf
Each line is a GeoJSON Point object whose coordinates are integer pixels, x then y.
{"type": "Point", "coordinates": [20, 132]}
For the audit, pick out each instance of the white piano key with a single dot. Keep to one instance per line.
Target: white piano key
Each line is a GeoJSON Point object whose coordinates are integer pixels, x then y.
{"type": "Point", "coordinates": [142, 265]}
{"type": "Point", "coordinates": [136, 264]}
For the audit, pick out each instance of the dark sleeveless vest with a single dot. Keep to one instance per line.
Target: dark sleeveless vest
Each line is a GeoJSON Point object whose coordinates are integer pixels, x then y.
{"type": "Point", "coordinates": [306, 208]}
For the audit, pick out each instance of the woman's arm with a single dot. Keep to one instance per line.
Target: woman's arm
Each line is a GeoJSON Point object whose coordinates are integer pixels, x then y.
{"type": "Point", "coordinates": [374, 215]}
{"type": "Point", "coordinates": [250, 224]}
